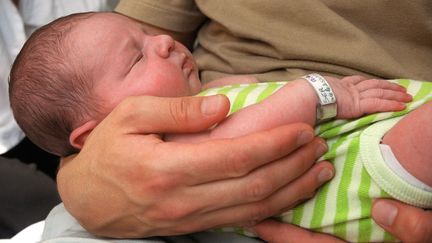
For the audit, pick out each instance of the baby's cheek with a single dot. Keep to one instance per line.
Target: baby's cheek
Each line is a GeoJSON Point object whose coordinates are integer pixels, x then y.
{"type": "Point", "coordinates": [173, 88]}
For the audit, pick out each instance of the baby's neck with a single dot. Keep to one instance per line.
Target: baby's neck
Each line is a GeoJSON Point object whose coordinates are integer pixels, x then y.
{"type": "Point", "coordinates": [411, 142]}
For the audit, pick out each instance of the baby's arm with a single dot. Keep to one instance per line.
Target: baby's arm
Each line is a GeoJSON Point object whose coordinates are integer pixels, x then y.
{"type": "Point", "coordinates": [297, 100]}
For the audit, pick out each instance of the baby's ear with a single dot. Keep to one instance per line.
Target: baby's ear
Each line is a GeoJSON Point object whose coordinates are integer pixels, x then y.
{"type": "Point", "coordinates": [79, 135]}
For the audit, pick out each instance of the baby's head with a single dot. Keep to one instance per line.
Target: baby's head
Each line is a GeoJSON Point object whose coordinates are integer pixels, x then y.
{"type": "Point", "coordinates": [72, 72]}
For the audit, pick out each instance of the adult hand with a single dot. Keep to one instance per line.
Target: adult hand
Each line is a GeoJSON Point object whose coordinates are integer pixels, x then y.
{"type": "Point", "coordinates": [127, 182]}
{"type": "Point", "coordinates": [408, 223]}
{"type": "Point", "coordinates": [276, 232]}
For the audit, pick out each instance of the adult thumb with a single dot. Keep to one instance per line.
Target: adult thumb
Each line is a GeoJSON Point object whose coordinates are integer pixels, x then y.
{"type": "Point", "coordinates": [407, 223]}
{"type": "Point", "coordinates": [149, 114]}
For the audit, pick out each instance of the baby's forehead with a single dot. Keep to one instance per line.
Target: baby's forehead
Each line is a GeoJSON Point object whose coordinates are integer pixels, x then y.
{"type": "Point", "coordinates": [101, 28]}
{"type": "Point", "coordinates": [101, 41]}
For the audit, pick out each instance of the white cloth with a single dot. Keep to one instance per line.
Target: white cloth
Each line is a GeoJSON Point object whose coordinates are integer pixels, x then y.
{"type": "Point", "coordinates": [31, 234]}
{"type": "Point", "coordinates": [12, 38]}
{"type": "Point", "coordinates": [36, 13]}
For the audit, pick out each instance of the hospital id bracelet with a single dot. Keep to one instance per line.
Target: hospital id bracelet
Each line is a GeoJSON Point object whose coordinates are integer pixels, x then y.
{"type": "Point", "coordinates": [327, 107]}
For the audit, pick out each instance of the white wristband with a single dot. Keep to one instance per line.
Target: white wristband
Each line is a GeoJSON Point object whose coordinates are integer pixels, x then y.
{"type": "Point", "coordinates": [327, 107]}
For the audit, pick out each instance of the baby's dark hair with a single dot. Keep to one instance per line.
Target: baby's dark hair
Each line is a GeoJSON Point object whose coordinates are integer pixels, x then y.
{"type": "Point", "coordinates": [49, 94]}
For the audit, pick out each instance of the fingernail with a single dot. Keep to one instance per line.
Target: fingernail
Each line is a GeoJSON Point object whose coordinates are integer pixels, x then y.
{"type": "Point", "coordinates": [211, 104]}
{"type": "Point", "coordinates": [325, 175]}
{"type": "Point", "coordinates": [322, 148]}
{"type": "Point", "coordinates": [305, 137]}
{"type": "Point", "coordinates": [384, 213]}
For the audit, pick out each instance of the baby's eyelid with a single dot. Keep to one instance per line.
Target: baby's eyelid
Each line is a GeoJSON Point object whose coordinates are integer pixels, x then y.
{"type": "Point", "coordinates": [136, 61]}
{"type": "Point", "coordinates": [139, 57]}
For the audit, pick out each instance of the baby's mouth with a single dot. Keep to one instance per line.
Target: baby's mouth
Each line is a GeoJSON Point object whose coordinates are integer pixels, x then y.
{"type": "Point", "coordinates": [187, 67]}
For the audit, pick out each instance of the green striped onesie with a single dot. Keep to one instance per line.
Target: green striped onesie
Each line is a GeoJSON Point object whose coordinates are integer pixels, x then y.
{"type": "Point", "coordinates": [343, 206]}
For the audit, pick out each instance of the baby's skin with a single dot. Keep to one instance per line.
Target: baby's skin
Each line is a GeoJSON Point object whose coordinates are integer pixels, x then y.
{"type": "Point", "coordinates": [411, 142]}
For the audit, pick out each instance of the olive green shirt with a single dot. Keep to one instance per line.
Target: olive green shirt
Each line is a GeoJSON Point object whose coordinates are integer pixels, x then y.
{"type": "Point", "coordinates": [283, 39]}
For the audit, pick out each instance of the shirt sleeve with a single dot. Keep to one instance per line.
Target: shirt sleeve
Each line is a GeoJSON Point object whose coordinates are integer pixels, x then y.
{"type": "Point", "coordinates": [175, 15]}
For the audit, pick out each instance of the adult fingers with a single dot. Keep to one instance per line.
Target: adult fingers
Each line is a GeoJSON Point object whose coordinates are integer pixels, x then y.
{"type": "Point", "coordinates": [194, 165]}
{"type": "Point", "coordinates": [275, 232]}
{"type": "Point", "coordinates": [285, 198]}
{"type": "Point", "coordinates": [260, 183]}
{"type": "Point", "coordinates": [408, 223]}
{"type": "Point", "coordinates": [234, 157]}
{"type": "Point", "coordinates": [147, 114]}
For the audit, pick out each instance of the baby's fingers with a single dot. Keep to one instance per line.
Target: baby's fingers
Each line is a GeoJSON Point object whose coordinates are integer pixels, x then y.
{"type": "Point", "coordinates": [385, 94]}
{"type": "Point", "coordinates": [379, 84]}
{"type": "Point", "coordinates": [373, 105]}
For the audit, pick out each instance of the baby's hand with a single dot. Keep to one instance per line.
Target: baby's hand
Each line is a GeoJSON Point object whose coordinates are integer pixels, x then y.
{"type": "Point", "coordinates": [357, 95]}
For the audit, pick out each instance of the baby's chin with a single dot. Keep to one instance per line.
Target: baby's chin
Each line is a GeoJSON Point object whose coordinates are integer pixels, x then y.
{"type": "Point", "coordinates": [195, 87]}
{"type": "Point", "coordinates": [195, 84]}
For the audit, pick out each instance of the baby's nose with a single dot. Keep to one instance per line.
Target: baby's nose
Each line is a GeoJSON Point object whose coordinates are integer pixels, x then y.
{"type": "Point", "coordinates": [164, 45]}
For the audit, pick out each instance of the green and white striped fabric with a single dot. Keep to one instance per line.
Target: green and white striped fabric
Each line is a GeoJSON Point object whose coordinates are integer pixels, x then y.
{"type": "Point", "coordinates": [343, 206]}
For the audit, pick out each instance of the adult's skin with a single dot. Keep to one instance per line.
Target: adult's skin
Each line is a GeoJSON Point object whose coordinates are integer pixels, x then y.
{"type": "Point", "coordinates": [408, 223]}
{"type": "Point", "coordinates": [128, 182]}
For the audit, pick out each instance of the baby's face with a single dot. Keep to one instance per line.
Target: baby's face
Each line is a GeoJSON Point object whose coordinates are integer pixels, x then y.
{"type": "Point", "coordinates": [125, 61]}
